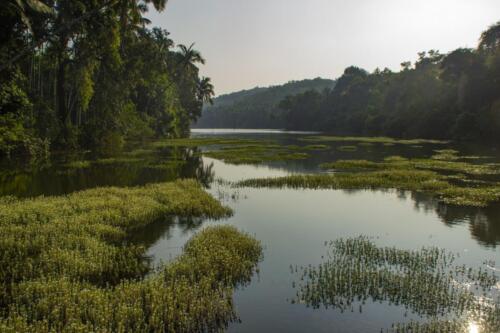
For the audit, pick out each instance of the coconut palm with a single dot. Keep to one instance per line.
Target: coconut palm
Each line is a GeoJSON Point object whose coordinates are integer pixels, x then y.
{"type": "Point", "coordinates": [190, 56]}
{"type": "Point", "coordinates": [205, 90]}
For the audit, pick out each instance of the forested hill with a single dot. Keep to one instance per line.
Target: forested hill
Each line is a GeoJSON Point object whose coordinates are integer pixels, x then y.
{"type": "Point", "coordinates": [440, 96]}
{"type": "Point", "coordinates": [258, 107]}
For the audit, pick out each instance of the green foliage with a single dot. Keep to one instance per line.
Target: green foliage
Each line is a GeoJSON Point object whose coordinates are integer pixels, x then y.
{"type": "Point", "coordinates": [347, 148]}
{"type": "Point", "coordinates": [369, 140]}
{"type": "Point", "coordinates": [395, 172]}
{"type": "Point", "coordinates": [68, 267]}
{"type": "Point", "coordinates": [97, 79]}
{"type": "Point", "coordinates": [255, 108]}
{"type": "Point", "coordinates": [452, 96]}
{"type": "Point", "coordinates": [255, 154]}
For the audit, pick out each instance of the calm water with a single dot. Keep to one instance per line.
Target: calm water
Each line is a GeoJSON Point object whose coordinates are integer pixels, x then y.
{"type": "Point", "coordinates": [292, 224]}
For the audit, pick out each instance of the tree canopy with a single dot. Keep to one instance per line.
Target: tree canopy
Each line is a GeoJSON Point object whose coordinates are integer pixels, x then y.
{"type": "Point", "coordinates": [454, 95]}
{"type": "Point", "coordinates": [90, 74]}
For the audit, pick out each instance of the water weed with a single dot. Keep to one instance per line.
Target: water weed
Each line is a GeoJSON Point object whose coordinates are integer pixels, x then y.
{"type": "Point", "coordinates": [191, 294]}
{"type": "Point", "coordinates": [403, 179]}
{"type": "Point", "coordinates": [426, 282]}
{"type": "Point", "coordinates": [347, 148]}
{"type": "Point", "coordinates": [382, 140]}
{"type": "Point", "coordinates": [67, 264]}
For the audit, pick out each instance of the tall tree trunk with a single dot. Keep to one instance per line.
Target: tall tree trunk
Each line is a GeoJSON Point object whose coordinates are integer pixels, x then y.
{"type": "Point", "coordinates": [61, 91]}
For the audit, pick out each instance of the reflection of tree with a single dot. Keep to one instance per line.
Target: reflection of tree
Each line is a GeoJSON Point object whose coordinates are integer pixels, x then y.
{"type": "Point", "coordinates": [149, 235]}
{"type": "Point", "coordinates": [484, 223]}
{"type": "Point", "coordinates": [163, 166]}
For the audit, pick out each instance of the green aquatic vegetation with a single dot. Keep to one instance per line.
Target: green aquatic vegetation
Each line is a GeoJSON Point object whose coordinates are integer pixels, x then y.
{"type": "Point", "coordinates": [383, 140]}
{"type": "Point", "coordinates": [447, 151]}
{"type": "Point", "coordinates": [470, 196]}
{"type": "Point", "coordinates": [402, 179]}
{"type": "Point", "coordinates": [316, 147]}
{"type": "Point", "coordinates": [118, 160]}
{"type": "Point", "coordinates": [426, 282]}
{"type": "Point", "coordinates": [347, 148]}
{"type": "Point", "coordinates": [166, 165]}
{"type": "Point", "coordinates": [68, 264]}
{"type": "Point", "coordinates": [446, 155]}
{"type": "Point", "coordinates": [254, 154]}
{"type": "Point", "coordinates": [140, 152]}
{"type": "Point", "coordinates": [393, 162]}
{"type": "Point", "coordinates": [352, 164]}
{"type": "Point", "coordinates": [208, 141]}
{"type": "Point", "coordinates": [191, 294]}
{"type": "Point", "coordinates": [80, 235]}
{"type": "Point", "coordinates": [395, 159]}
{"type": "Point", "coordinates": [78, 165]}
{"type": "Point", "coordinates": [399, 178]}
{"type": "Point", "coordinates": [365, 144]}
{"type": "Point", "coordinates": [455, 166]}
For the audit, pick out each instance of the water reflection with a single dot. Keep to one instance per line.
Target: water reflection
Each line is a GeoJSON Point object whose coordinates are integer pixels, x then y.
{"type": "Point", "coordinates": [484, 223]}
{"type": "Point", "coordinates": [53, 177]}
{"type": "Point", "coordinates": [57, 178]}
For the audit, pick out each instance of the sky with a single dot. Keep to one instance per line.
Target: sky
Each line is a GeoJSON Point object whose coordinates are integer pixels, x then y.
{"type": "Point", "coordinates": [269, 42]}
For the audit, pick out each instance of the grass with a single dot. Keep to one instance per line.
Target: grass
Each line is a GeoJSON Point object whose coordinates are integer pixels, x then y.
{"type": "Point", "coordinates": [196, 142]}
{"type": "Point", "coordinates": [67, 265]}
{"type": "Point", "coordinates": [426, 282]}
{"type": "Point", "coordinates": [382, 140]}
{"type": "Point", "coordinates": [347, 148]}
{"type": "Point", "coordinates": [256, 153]}
{"type": "Point", "coordinates": [393, 162]}
{"type": "Point", "coordinates": [191, 294]}
{"type": "Point", "coordinates": [395, 172]}
{"type": "Point", "coordinates": [78, 165]}
{"type": "Point", "coordinates": [317, 147]}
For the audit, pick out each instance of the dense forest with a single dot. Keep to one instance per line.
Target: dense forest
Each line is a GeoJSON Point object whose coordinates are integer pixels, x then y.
{"type": "Point", "coordinates": [88, 74]}
{"type": "Point", "coordinates": [454, 95]}
{"type": "Point", "coordinates": [256, 108]}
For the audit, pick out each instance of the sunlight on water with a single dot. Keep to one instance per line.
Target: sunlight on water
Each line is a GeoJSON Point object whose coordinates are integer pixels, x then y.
{"type": "Point", "coordinates": [473, 328]}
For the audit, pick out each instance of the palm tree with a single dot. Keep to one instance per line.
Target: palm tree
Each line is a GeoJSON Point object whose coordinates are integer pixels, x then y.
{"type": "Point", "coordinates": [25, 9]}
{"type": "Point", "coordinates": [205, 90]}
{"type": "Point", "coordinates": [190, 56]}
{"type": "Point", "coordinates": [132, 13]}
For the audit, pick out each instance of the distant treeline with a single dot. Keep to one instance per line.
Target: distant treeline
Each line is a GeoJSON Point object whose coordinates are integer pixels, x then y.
{"type": "Point", "coordinates": [256, 108]}
{"type": "Point", "coordinates": [456, 95]}
{"type": "Point", "coordinates": [88, 74]}
{"type": "Point", "coordinates": [441, 96]}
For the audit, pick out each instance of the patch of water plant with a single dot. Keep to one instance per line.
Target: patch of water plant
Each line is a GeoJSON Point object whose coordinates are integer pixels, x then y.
{"type": "Point", "coordinates": [427, 282]}
{"type": "Point", "coordinates": [258, 153]}
{"type": "Point", "coordinates": [447, 179]}
{"type": "Point", "coordinates": [360, 139]}
{"type": "Point", "coordinates": [68, 265]}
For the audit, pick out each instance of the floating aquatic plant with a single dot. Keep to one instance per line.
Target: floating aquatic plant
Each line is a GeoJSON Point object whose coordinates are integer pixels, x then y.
{"type": "Point", "coordinates": [383, 140]}
{"type": "Point", "coordinates": [347, 148]}
{"type": "Point", "coordinates": [426, 282]}
{"type": "Point", "coordinates": [67, 264]}
{"type": "Point", "coordinates": [191, 294]}
{"type": "Point", "coordinates": [254, 154]}
{"type": "Point", "coordinates": [398, 178]}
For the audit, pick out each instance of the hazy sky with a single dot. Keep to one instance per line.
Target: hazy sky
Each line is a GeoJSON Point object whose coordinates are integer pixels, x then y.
{"type": "Point", "coordinates": [267, 42]}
